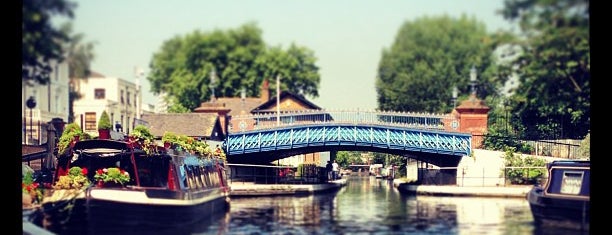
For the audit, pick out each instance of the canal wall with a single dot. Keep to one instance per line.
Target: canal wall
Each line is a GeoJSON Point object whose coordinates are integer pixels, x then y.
{"type": "Point", "coordinates": [486, 168]}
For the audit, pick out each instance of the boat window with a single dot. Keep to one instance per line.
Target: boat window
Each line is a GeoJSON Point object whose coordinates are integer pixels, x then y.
{"type": "Point", "coordinates": [189, 173]}
{"type": "Point", "coordinates": [202, 176]}
{"type": "Point", "coordinates": [183, 177]}
{"type": "Point", "coordinates": [196, 176]}
{"type": "Point", "coordinates": [152, 171]}
{"type": "Point", "coordinates": [206, 178]}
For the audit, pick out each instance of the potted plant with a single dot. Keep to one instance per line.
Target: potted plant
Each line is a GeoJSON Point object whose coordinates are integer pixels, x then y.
{"type": "Point", "coordinates": [104, 126]}
{"type": "Point", "coordinates": [72, 133]}
{"type": "Point", "coordinates": [112, 176]}
{"type": "Point", "coordinates": [141, 135]}
{"type": "Point", "coordinates": [75, 179]}
{"type": "Point", "coordinates": [169, 139]}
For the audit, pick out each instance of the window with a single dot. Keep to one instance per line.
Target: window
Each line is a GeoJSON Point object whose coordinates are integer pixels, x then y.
{"type": "Point", "coordinates": [90, 121]}
{"type": "Point", "coordinates": [135, 100]}
{"type": "Point", "coordinates": [99, 93]}
{"type": "Point", "coordinates": [122, 99]}
{"type": "Point", "coordinates": [128, 98]}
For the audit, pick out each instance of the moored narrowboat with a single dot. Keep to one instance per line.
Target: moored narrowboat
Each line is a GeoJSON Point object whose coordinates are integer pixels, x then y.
{"type": "Point", "coordinates": [131, 186]}
{"type": "Point", "coordinates": [564, 199]}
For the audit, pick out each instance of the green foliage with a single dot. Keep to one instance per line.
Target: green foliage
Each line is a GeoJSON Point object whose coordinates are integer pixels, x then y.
{"type": "Point", "coordinates": [532, 172]}
{"type": "Point", "coordinates": [28, 186]}
{"type": "Point", "coordinates": [112, 174]}
{"type": "Point", "coordinates": [584, 151]}
{"type": "Point", "coordinates": [40, 41]}
{"type": "Point", "coordinates": [300, 170]}
{"type": "Point", "coordinates": [502, 141]}
{"type": "Point", "coordinates": [144, 138]}
{"type": "Point", "coordinates": [71, 130]}
{"type": "Point", "coordinates": [429, 56]}
{"type": "Point", "coordinates": [79, 54]}
{"type": "Point", "coordinates": [75, 179]}
{"type": "Point", "coordinates": [104, 123]}
{"type": "Point", "coordinates": [184, 66]}
{"type": "Point", "coordinates": [554, 94]}
{"type": "Point", "coordinates": [142, 132]}
{"type": "Point", "coordinates": [346, 158]}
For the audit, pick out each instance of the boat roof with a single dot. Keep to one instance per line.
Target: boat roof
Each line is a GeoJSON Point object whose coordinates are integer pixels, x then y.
{"type": "Point", "coordinates": [101, 144]}
{"type": "Point", "coordinates": [582, 163]}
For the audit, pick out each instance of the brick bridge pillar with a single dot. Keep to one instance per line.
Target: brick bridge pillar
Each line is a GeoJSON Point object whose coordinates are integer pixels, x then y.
{"type": "Point", "coordinates": [469, 117]}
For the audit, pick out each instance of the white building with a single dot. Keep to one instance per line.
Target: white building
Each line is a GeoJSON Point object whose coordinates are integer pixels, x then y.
{"type": "Point", "coordinates": [51, 101]}
{"type": "Point", "coordinates": [120, 98]}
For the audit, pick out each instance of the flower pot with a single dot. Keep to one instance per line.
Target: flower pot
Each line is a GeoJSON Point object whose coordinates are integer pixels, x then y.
{"type": "Point", "coordinates": [104, 134]}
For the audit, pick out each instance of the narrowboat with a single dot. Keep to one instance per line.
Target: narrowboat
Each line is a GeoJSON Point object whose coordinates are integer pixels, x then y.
{"type": "Point", "coordinates": [132, 186]}
{"type": "Point", "coordinates": [563, 201]}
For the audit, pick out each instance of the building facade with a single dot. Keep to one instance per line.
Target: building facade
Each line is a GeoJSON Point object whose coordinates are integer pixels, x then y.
{"type": "Point", "coordinates": [120, 98]}
{"type": "Point", "coordinates": [42, 103]}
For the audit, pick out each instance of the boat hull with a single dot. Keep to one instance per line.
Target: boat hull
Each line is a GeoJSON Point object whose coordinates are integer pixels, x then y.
{"type": "Point", "coordinates": [106, 217]}
{"type": "Point", "coordinates": [566, 213]}
{"type": "Point", "coordinates": [125, 211]}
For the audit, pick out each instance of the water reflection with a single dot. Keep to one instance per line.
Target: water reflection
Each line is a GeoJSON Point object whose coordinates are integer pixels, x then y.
{"type": "Point", "coordinates": [368, 206]}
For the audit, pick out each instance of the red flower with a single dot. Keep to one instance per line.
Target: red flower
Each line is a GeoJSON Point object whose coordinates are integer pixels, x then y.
{"type": "Point", "coordinates": [100, 171]}
{"type": "Point", "coordinates": [84, 171]}
{"type": "Point", "coordinates": [61, 172]}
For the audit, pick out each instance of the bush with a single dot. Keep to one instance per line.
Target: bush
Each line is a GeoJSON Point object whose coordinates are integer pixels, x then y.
{"type": "Point", "coordinates": [71, 131]}
{"type": "Point", "coordinates": [584, 151]}
{"type": "Point", "coordinates": [533, 172]}
{"type": "Point", "coordinates": [104, 123]}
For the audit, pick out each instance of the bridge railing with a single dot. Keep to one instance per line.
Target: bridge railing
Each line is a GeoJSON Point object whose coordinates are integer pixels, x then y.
{"type": "Point", "coordinates": [242, 123]}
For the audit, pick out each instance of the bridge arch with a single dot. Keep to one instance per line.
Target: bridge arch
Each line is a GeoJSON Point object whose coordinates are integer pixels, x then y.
{"type": "Point", "coordinates": [430, 145]}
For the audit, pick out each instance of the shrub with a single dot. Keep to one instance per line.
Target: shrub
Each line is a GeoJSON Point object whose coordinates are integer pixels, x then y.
{"type": "Point", "coordinates": [104, 123]}
{"type": "Point", "coordinates": [533, 172]}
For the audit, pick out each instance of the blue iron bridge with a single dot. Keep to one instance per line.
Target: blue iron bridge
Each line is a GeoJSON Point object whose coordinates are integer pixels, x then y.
{"type": "Point", "coordinates": [268, 137]}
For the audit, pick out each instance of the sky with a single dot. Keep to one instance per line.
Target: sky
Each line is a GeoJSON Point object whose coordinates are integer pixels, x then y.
{"type": "Point", "coordinates": [347, 36]}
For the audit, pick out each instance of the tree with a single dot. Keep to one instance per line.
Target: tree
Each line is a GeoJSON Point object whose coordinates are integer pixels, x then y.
{"type": "Point", "coordinates": [430, 56]}
{"type": "Point", "coordinates": [553, 97]}
{"type": "Point", "coordinates": [79, 56]}
{"type": "Point", "coordinates": [584, 151]}
{"type": "Point", "coordinates": [189, 67]}
{"type": "Point", "coordinates": [41, 42]}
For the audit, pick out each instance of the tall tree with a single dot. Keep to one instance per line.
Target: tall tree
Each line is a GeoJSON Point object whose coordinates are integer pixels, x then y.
{"type": "Point", "coordinates": [79, 56]}
{"type": "Point", "coordinates": [189, 67]}
{"type": "Point", "coordinates": [41, 42]}
{"type": "Point", "coordinates": [429, 57]}
{"type": "Point", "coordinates": [553, 99]}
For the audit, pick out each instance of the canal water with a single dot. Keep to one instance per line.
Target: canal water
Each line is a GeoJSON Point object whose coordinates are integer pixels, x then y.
{"type": "Point", "coordinates": [367, 205]}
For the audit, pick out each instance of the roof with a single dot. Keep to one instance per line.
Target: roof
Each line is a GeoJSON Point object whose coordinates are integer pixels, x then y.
{"type": "Point", "coordinates": [267, 106]}
{"type": "Point", "coordinates": [239, 106]}
{"type": "Point", "coordinates": [473, 103]}
{"type": "Point", "coordinates": [190, 124]}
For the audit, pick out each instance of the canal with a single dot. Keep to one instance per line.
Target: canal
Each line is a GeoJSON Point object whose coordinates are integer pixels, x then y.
{"type": "Point", "coordinates": [367, 205]}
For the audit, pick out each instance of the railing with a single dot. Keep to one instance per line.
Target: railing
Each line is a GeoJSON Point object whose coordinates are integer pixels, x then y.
{"type": "Point", "coordinates": [566, 148]}
{"type": "Point", "coordinates": [240, 123]}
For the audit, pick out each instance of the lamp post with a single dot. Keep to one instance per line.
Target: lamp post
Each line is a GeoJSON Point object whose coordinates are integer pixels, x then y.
{"type": "Point", "coordinates": [277, 100]}
{"type": "Point", "coordinates": [455, 93]}
{"type": "Point", "coordinates": [213, 84]}
{"type": "Point", "coordinates": [473, 79]}
{"type": "Point", "coordinates": [30, 103]}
